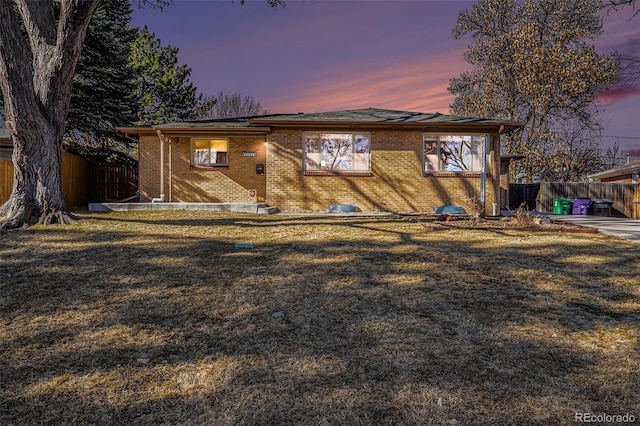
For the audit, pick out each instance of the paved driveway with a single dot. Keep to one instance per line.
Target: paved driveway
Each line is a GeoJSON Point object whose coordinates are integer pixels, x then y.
{"type": "Point", "coordinates": [629, 229]}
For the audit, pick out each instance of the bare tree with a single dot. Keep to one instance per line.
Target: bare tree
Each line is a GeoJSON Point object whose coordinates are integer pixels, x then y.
{"type": "Point", "coordinates": [575, 155]}
{"type": "Point", "coordinates": [533, 62]}
{"type": "Point", "coordinates": [225, 105]}
{"type": "Point", "coordinates": [616, 5]}
{"type": "Point", "coordinates": [614, 156]}
{"type": "Point", "coordinates": [629, 62]}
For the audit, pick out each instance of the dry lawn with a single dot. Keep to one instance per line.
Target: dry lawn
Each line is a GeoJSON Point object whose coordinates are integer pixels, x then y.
{"type": "Point", "coordinates": [157, 318]}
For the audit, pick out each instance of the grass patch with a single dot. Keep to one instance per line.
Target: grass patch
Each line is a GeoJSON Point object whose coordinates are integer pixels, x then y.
{"type": "Point", "coordinates": [157, 318]}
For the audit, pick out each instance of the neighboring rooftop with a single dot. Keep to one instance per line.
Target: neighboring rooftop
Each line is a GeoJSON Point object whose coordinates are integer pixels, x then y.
{"type": "Point", "coordinates": [625, 169]}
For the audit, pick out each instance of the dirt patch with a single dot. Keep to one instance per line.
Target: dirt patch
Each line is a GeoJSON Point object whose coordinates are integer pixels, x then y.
{"type": "Point", "coordinates": [533, 224]}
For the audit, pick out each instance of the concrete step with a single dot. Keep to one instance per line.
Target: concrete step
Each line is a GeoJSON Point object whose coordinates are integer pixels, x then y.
{"type": "Point", "coordinates": [268, 210]}
{"type": "Point", "coordinates": [224, 207]}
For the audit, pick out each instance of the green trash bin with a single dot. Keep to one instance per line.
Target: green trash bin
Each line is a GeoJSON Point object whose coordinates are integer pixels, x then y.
{"type": "Point", "coordinates": [562, 206]}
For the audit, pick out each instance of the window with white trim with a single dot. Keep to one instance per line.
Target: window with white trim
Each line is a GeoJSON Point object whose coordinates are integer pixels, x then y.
{"type": "Point", "coordinates": [336, 152]}
{"type": "Point", "coordinates": [209, 152]}
{"type": "Point", "coordinates": [453, 153]}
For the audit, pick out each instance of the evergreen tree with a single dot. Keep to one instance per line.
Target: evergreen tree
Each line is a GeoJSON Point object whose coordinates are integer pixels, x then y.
{"type": "Point", "coordinates": [103, 88]}
{"type": "Point", "coordinates": [162, 86]}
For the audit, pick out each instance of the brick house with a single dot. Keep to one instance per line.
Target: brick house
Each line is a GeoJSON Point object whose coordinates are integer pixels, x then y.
{"type": "Point", "coordinates": [628, 173]}
{"type": "Point", "coordinates": [372, 158]}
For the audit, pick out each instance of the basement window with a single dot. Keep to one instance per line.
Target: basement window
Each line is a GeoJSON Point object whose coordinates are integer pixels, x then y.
{"type": "Point", "coordinates": [209, 152]}
{"type": "Point", "coordinates": [453, 153]}
{"type": "Point", "coordinates": [336, 153]}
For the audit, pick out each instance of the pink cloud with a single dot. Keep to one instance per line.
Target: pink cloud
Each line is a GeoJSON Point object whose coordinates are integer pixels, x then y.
{"type": "Point", "coordinates": [621, 34]}
{"type": "Point", "coordinates": [418, 85]}
{"type": "Point", "coordinates": [629, 84]}
{"type": "Point", "coordinates": [634, 153]}
{"type": "Point", "coordinates": [620, 92]}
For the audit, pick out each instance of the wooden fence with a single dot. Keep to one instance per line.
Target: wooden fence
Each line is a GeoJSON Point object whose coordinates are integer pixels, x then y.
{"type": "Point", "coordinates": [526, 193]}
{"type": "Point", "coordinates": [112, 182]}
{"type": "Point", "coordinates": [625, 196]}
{"type": "Point", "coordinates": [83, 181]}
{"type": "Point", "coordinates": [6, 179]}
{"type": "Point", "coordinates": [75, 180]}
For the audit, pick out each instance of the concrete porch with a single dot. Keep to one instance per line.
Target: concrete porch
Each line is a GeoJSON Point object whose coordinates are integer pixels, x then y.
{"type": "Point", "coordinates": [256, 208]}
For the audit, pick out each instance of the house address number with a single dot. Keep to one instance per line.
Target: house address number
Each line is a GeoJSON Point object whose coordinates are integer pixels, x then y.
{"type": "Point", "coordinates": [248, 153]}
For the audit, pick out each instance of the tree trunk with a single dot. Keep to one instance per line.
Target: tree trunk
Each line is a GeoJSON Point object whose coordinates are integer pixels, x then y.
{"type": "Point", "coordinates": [37, 186]}
{"type": "Point", "coordinates": [38, 56]}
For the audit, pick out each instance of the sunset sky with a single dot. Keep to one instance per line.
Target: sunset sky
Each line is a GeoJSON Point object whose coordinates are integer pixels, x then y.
{"type": "Point", "coordinates": [320, 55]}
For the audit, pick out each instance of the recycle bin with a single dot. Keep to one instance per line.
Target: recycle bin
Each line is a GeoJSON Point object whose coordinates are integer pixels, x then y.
{"type": "Point", "coordinates": [602, 207]}
{"type": "Point", "coordinates": [561, 206]}
{"type": "Point", "coordinates": [581, 206]}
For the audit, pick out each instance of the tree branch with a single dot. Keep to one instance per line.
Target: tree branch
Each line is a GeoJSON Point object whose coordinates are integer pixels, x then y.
{"type": "Point", "coordinates": [272, 3]}
{"type": "Point", "coordinates": [39, 20]}
{"type": "Point", "coordinates": [75, 16]}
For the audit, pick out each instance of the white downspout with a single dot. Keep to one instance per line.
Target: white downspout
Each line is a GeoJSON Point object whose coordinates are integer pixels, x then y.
{"type": "Point", "coordinates": [483, 176]}
{"type": "Point", "coordinates": [161, 198]}
{"type": "Point", "coordinates": [495, 210]}
{"type": "Point", "coordinates": [170, 170]}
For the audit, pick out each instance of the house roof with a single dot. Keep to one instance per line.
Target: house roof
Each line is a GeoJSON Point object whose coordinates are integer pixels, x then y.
{"type": "Point", "coordinates": [626, 169]}
{"type": "Point", "coordinates": [371, 115]}
{"type": "Point", "coordinates": [375, 117]}
{"type": "Point", "coordinates": [223, 122]}
{"type": "Point", "coordinates": [236, 126]}
{"type": "Point", "coordinates": [353, 118]}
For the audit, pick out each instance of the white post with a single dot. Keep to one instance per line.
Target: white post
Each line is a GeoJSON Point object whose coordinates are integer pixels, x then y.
{"type": "Point", "coordinates": [170, 170]}
{"type": "Point", "coordinates": [161, 198]}
{"type": "Point", "coordinates": [483, 176]}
